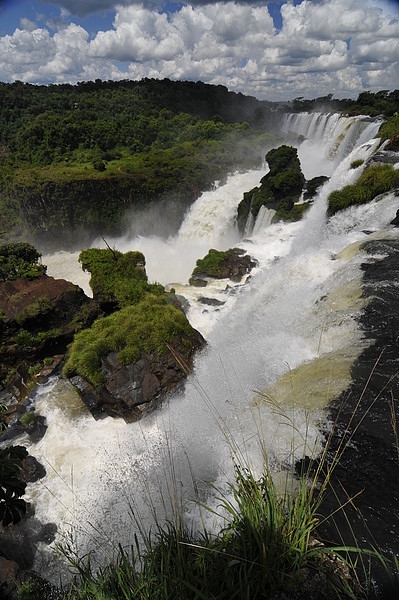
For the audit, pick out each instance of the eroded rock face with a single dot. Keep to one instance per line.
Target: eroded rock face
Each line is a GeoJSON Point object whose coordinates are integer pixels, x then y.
{"type": "Point", "coordinates": [131, 390]}
{"type": "Point", "coordinates": [38, 320]}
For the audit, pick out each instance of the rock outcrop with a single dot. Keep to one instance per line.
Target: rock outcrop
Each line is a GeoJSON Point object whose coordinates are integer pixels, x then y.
{"type": "Point", "coordinates": [232, 264]}
{"type": "Point", "coordinates": [132, 390]}
{"type": "Point", "coordinates": [280, 188]}
{"type": "Point", "coordinates": [38, 320]}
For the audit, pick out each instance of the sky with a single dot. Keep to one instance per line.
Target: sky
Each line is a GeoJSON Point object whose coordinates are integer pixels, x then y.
{"type": "Point", "coordinates": [274, 50]}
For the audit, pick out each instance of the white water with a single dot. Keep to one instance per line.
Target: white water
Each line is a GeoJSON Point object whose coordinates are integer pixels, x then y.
{"type": "Point", "coordinates": [274, 323]}
{"type": "Point", "coordinates": [328, 139]}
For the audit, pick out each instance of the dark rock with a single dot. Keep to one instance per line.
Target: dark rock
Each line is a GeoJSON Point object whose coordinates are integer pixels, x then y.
{"type": "Point", "coordinates": [369, 467]}
{"type": "Point", "coordinates": [36, 428]}
{"type": "Point", "coordinates": [32, 470]}
{"type": "Point", "coordinates": [40, 318]}
{"type": "Point", "coordinates": [211, 301]}
{"type": "Point", "coordinates": [8, 576]}
{"type": "Point", "coordinates": [131, 390]}
{"type": "Point", "coordinates": [197, 281]}
{"type": "Point", "coordinates": [19, 542]}
{"type": "Point", "coordinates": [312, 185]}
{"type": "Point", "coordinates": [395, 221]}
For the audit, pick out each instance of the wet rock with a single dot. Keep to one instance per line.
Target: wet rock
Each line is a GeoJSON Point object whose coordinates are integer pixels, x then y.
{"type": "Point", "coordinates": [368, 468]}
{"type": "Point", "coordinates": [197, 281]}
{"type": "Point", "coordinates": [32, 470]}
{"type": "Point", "coordinates": [312, 185]}
{"type": "Point", "coordinates": [232, 264]}
{"type": "Point", "coordinates": [19, 542]}
{"type": "Point", "coordinates": [8, 576]}
{"type": "Point", "coordinates": [395, 221]}
{"type": "Point", "coordinates": [131, 390]}
{"type": "Point", "coordinates": [210, 301]}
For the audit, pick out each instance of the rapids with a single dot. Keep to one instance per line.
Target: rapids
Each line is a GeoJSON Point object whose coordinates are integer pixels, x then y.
{"type": "Point", "coordinates": [295, 316]}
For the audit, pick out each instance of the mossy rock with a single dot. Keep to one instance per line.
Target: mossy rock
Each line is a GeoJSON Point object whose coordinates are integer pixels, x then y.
{"type": "Point", "coordinates": [280, 189]}
{"type": "Point", "coordinates": [230, 264]}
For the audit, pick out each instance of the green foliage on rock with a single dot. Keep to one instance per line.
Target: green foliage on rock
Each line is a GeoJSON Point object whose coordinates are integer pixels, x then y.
{"type": "Point", "coordinates": [12, 506]}
{"type": "Point", "coordinates": [280, 188]}
{"type": "Point", "coordinates": [35, 311]}
{"type": "Point", "coordinates": [117, 279]}
{"type": "Point", "coordinates": [390, 131]}
{"type": "Point", "coordinates": [211, 263]}
{"type": "Point", "coordinates": [375, 180]}
{"type": "Point", "coordinates": [147, 326]}
{"type": "Point", "coordinates": [20, 260]}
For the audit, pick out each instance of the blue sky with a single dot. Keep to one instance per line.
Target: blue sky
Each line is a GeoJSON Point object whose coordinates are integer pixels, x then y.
{"type": "Point", "coordinates": [273, 50]}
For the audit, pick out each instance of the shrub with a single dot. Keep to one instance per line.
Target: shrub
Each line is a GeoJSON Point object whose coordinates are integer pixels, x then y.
{"type": "Point", "coordinates": [211, 263]}
{"type": "Point", "coordinates": [12, 506]}
{"type": "Point", "coordinates": [37, 310]}
{"type": "Point", "coordinates": [20, 260]}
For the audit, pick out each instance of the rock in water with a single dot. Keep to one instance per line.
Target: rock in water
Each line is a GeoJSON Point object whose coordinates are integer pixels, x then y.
{"type": "Point", "coordinates": [131, 390]}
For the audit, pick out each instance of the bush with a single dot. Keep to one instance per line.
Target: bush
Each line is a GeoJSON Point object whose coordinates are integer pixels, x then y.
{"type": "Point", "coordinates": [20, 260]}
{"type": "Point", "coordinates": [35, 311]}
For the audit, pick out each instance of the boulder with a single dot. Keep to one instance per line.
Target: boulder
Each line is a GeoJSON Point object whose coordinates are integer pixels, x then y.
{"type": "Point", "coordinates": [232, 264]}
{"type": "Point", "coordinates": [132, 390]}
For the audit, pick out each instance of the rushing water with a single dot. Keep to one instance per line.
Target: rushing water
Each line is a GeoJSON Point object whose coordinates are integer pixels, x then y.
{"type": "Point", "coordinates": [296, 314]}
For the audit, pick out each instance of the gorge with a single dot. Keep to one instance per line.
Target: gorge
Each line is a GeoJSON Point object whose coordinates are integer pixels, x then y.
{"type": "Point", "coordinates": [281, 346]}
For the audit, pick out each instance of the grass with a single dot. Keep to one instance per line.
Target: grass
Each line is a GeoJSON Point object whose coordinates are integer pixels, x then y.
{"type": "Point", "coordinates": [265, 550]}
{"type": "Point", "coordinates": [375, 180]}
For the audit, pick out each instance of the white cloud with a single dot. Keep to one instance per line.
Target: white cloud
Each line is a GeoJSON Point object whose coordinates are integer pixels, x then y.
{"type": "Point", "coordinates": [339, 46]}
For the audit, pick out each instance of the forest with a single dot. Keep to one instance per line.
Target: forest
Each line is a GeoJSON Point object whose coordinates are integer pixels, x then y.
{"type": "Point", "coordinates": [74, 158]}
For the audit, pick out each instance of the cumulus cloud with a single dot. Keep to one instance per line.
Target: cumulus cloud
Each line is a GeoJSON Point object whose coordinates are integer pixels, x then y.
{"type": "Point", "coordinates": [339, 46]}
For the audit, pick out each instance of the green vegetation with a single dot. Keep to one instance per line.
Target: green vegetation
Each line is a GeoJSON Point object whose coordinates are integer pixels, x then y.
{"type": "Point", "coordinates": [280, 188]}
{"type": "Point", "coordinates": [27, 339]}
{"type": "Point", "coordinates": [368, 103]}
{"type": "Point", "coordinates": [356, 163]}
{"type": "Point", "coordinates": [375, 179]}
{"type": "Point", "coordinates": [266, 549]}
{"type": "Point", "coordinates": [117, 279]}
{"type": "Point", "coordinates": [122, 143]}
{"type": "Point", "coordinates": [20, 260]}
{"type": "Point", "coordinates": [12, 506]}
{"type": "Point", "coordinates": [27, 418]}
{"type": "Point", "coordinates": [35, 312]}
{"type": "Point", "coordinates": [148, 326]}
{"type": "Point", "coordinates": [211, 264]}
{"type": "Point", "coordinates": [390, 131]}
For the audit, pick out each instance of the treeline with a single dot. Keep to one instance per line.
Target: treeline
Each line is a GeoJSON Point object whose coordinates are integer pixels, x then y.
{"type": "Point", "coordinates": [77, 157]}
{"type": "Point", "coordinates": [43, 124]}
{"type": "Point", "coordinates": [384, 103]}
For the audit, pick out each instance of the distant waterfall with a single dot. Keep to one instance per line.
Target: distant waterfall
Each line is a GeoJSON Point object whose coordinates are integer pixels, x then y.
{"type": "Point", "coordinates": [328, 138]}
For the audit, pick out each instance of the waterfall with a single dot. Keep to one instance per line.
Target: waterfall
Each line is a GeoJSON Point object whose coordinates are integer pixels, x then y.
{"type": "Point", "coordinates": [271, 326]}
{"type": "Point", "coordinates": [329, 137]}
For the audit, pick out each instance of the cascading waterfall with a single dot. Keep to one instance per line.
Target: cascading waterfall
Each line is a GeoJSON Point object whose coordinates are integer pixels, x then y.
{"type": "Point", "coordinates": [97, 470]}
{"type": "Point", "coordinates": [329, 137]}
